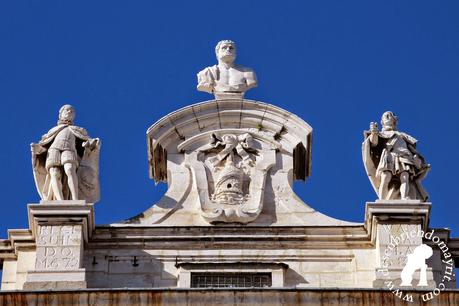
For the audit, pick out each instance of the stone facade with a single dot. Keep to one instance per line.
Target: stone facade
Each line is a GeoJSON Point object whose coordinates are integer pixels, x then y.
{"type": "Point", "coordinates": [230, 217]}
{"type": "Point", "coordinates": [257, 225]}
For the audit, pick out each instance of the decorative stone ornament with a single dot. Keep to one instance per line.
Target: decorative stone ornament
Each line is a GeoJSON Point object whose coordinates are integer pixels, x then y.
{"type": "Point", "coordinates": [229, 178]}
{"type": "Point", "coordinates": [66, 162]}
{"type": "Point", "coordinates": [230, 161]}
{"type": "Point", "coordinates": [393, 164]}
{"type": "Point", "coordinates": [228, 189]}
{"type": "Point", "coordinates": [233, 180]}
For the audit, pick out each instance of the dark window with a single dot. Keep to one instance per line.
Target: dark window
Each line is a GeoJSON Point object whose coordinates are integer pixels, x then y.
{"type": "Point", "coordinates": [230, 280]}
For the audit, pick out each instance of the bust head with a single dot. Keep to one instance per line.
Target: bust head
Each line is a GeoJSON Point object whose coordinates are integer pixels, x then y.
{"type": "Point", "coordinates": [389, 121]}
{"type": "Point", "coordinates": [66, 114]}
{"type": "Point", "coordinates": [226, 51]}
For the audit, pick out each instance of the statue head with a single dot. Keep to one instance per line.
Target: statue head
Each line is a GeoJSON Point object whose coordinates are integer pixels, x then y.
{"type": "Point", "coordinates": [226, 51]}
{"type": "Point", "coordinates": [66, 114]}
{"type": "Point", "coordinates": [389, 121]}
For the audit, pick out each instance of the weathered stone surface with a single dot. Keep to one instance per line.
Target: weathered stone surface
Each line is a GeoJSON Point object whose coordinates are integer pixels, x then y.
{"type": "Point", "coordinates": [139, 257]}
{"type": "Point", "coordinates": [59, 247]}
{"type": "Point", "coordinates": [398, 224]}
{"type": "Point", "coordinates": [234, 297]}
{"type": "Point", "coordinates": [191, 139]}
{"type": "Point", "coordinates": [60, 230]}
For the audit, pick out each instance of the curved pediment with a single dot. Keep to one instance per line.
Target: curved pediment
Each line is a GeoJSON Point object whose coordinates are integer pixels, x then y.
{"type": "Point", "coordinates": [191, 126]}
{"type": "Point", "coordinates": [230, 161]}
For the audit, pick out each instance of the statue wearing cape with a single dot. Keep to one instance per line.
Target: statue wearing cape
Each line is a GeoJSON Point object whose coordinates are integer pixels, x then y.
{"type": "Point", "coordinates": [375, 161]}
{"type": "Point", "coordinates": [87, 150]}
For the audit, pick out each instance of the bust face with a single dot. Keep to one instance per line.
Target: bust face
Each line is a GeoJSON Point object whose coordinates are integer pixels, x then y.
{"type": "Point", "coordinates": [226, 52]}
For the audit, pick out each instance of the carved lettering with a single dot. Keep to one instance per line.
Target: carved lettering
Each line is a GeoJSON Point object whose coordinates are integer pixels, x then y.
{"type": "Point", "coordinates": [58, 258]}
{"type": "Point", "coordinates": [58, 247]}
{"type": "Point", "coordinates": [59, 235]}
{"type": "Point", "coordinates": [50, 251]}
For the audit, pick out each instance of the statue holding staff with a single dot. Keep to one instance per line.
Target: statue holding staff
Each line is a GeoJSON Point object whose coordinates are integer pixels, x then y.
{"type": "Point", "coordinates": [393, 164]}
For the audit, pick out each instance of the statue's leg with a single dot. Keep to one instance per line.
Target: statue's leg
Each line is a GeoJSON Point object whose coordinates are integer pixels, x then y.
{"type": "Point", "coordinates": [386, 176]}
{"type": "Point", "coordinates": [405, 185]}
{"type": "Point", "coordinates": [72, 179]}
{"type": "Point", "coordinates": [55, 182]}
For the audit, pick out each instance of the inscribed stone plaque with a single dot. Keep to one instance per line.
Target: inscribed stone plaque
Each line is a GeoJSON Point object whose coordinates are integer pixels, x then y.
{"type": "Point", "coordinates": [59, 247]}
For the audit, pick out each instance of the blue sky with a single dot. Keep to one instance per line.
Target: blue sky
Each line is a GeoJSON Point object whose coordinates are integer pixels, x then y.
{"type": "Point", "coordinates": [336, 64]}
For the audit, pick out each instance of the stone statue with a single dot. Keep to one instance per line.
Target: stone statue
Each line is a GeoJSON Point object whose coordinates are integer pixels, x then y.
{"type": "Point", "coordinates": [226, 77]}
{"type": "Point", "coordinates": [66, 161]}
{"type": "Point", "coordinates": [394, 166]}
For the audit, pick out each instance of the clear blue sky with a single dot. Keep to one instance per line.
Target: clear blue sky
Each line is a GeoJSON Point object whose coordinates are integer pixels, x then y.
{"type": "Point", "coordinates": [336, 64]}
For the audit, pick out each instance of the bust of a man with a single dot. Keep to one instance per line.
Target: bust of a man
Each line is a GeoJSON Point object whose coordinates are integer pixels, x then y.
{"type": "Point", "coordinates": [226, 77]}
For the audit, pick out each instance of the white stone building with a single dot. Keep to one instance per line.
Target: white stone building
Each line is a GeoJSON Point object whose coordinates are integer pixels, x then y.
{"type": "Point", "coordinates": [229, 219]}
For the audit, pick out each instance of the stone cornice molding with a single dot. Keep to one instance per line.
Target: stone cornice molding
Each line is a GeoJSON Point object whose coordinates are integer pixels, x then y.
{"type": "Point", "coordinates": [267, 121]}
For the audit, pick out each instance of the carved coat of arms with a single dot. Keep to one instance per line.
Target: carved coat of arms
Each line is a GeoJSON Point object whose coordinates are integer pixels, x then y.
{"type": "Point", "coordinates": [230, 174]}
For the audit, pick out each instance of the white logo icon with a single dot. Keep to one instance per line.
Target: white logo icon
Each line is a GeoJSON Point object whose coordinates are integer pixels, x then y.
{"type": "Point", "coordinates": [416, 260]}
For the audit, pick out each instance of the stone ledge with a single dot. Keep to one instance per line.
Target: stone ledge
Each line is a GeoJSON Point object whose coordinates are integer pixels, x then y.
{"type": "Point", "coordinates": [396, 211]}
{"type": "Point", "coordinates": [222, 296]}
{"type": "Point", "coordinates": [61, 213]}
{"type": "Point", "coordinates": [42, 280]}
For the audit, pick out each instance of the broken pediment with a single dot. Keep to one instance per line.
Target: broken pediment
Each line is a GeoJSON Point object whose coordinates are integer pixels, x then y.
{"type": "Point", "coordinates": [230, 161]}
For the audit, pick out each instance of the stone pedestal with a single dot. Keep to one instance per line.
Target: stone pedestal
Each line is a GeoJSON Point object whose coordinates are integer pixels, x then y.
{"type": "Point", "coordinates": [60, 229]}
{"type": "Point", "coordinates": [396, 227]}
{"type": "Point", "coordinates": [229, 95]}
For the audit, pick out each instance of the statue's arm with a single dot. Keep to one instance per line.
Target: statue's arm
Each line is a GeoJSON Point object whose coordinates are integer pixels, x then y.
{"type": "Point", "coordinates": [251, 79]}
{"type": "Point", "coordinates": [205, 81]}
{"type": "Point", "coordinates": [37, 149]}
{"type": "Point", "coordinates": [373, 137]}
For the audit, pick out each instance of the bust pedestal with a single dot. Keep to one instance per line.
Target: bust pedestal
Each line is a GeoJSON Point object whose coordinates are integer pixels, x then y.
{"type": "Point", "coordinates": [229, 95]}
{"type": "Point", "coordinates": [396, 227]}
{"type": "Point", "coordinates": [60, 229]}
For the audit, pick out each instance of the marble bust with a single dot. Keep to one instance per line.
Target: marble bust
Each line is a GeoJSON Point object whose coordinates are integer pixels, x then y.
{"type": "Point", "coordinates": [66, 161]}
{"type": "Point", "coordinates": [226, 78]}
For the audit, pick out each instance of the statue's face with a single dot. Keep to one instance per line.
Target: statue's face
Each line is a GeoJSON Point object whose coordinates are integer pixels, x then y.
{"type": "Point", "coordinates": [388, 121]}
{"type": "Point", "coordinates": [67, 113]}
{"type": "Point", "coordinates": [227, 52]}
